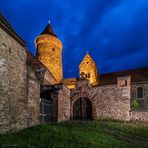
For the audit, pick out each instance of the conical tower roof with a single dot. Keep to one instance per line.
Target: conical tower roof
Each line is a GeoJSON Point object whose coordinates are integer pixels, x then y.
{"type": "Point", "coordinates": [49, 30]}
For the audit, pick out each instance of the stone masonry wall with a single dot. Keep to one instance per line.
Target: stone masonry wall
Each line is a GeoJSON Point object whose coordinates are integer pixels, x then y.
{"type": "Point", "coordinates": [33, 97]}
{"type": "Point", "coordinates": [110, 101]}
{"type": "Point", "coordinates": [143, 101]}
{"type": "Point", "coordinates": [64, 104]}
{"type": "Point", "coordinates": [49, 53]}
{"type": "Point", "coordinates": [113, 101]}
{"type": "Point", "coordinates": [89, 70]}
{"type": "Point", "coordinates": [141, 116]}
{"type": "Point", "coordinates": [48, 78]}
{"type": "Point", "coordinates": [141, 113]}
{"type": "Point", "coordinates": [13, 91]}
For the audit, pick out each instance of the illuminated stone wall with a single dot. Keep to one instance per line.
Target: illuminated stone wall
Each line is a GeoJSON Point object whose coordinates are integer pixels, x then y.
{"type": "Point", "coordinates": [13, 84]}
{"type": "Point", "coordinates": [88, 69]}
{"type": "Point", "coordinates": [108, 102]}
{"type": "Point", "coordinates": [49, 52]}
{"type": "Point", "coordinates": [69, 82]}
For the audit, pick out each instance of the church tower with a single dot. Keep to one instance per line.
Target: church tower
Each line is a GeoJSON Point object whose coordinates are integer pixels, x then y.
{"type": "Point", "coordinates": [88, 70]}
{"type": "Point", "coordinates": [49, 52]}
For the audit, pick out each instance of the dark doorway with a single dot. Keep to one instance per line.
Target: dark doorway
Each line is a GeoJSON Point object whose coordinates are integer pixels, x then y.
{"type": "Point", "coordinates": [82, 109]}
{"type": "Point", "coordinates": [46, 107]}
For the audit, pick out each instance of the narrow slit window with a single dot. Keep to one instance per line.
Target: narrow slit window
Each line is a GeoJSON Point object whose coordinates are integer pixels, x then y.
{"type": "Point", "coordinates": [140, 92]}
{"type": "Point", "coordinates": [88, 75]}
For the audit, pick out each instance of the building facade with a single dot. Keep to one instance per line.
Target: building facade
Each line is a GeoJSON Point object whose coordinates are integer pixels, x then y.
{"type": "Point", "coordinates": [33, 90]}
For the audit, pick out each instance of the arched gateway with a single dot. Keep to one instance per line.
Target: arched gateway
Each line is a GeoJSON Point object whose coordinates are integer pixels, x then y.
{"type": "Point", "coordinates": [81, 101]}
{"type": "Point", "coordinates": [82, 109]}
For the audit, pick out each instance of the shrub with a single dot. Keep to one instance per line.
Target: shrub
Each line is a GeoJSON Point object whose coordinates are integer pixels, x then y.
{"type": "Point", "coordinates": [135, 104]}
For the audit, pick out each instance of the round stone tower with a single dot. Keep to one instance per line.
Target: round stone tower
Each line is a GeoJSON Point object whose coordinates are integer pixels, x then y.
{"type": "Point", "coordinates": [49, 52]}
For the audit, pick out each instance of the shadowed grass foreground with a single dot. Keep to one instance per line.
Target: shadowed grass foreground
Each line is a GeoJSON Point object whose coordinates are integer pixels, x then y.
{"type": "Point", "coordinates": [99, 134]}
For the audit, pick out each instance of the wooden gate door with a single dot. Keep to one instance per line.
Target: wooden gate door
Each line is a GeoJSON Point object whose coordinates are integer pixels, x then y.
{"type": "Point", "coordinates": [82, 109]}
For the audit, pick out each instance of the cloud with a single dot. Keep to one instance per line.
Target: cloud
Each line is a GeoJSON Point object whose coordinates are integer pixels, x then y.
{"type": "Point", "coordinates": [114, 31]}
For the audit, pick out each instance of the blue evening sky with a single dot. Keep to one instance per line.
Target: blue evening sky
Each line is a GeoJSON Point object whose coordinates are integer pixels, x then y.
{"type": "Point", "coordinates": [115, 32]}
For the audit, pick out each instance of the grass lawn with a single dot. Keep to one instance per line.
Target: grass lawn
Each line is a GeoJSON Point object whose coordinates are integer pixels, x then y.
{"type": "Point", "coordinates": [95, 134]}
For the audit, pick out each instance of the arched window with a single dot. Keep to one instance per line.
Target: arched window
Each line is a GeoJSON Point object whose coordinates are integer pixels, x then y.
{"type": "Point", "coordinates": [140, 92]}
{"type": "Point", "coordinates": [82, 75]}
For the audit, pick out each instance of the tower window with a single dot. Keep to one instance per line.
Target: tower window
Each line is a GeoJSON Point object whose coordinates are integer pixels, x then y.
{"type": "Point", "coordinates": [140, 92]}
{"type": "Point", "coordinates": [88, 75]}
{"type": "Point", "coordinates": [53, 49]}
{"type": "Point", "coordinates": [83, 75]}
{"type": "Point", "coordinates": [125, 82]}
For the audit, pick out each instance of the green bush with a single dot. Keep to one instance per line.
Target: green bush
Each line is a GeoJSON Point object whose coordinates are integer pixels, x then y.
{"type": "Point", "coordinates": [135, 104]}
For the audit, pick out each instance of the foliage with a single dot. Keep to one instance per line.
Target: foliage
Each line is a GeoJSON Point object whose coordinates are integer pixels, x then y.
{"type": "Point", "coordinates": [135, 104]}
